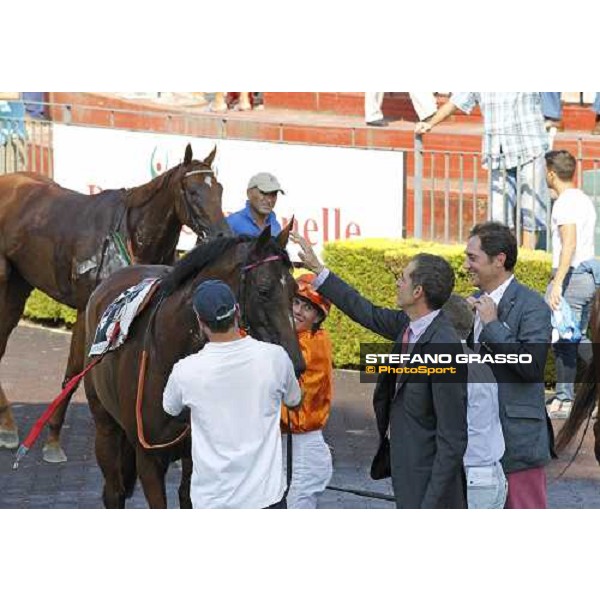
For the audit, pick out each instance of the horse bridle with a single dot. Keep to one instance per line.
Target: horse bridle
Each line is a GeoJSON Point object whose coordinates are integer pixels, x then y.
{"type": "Point", "coordinates": [145, 356]}
{"type": "Point", "coordinates": [184, 192]}
{"type": "Point", "coordinates": [242, 295]}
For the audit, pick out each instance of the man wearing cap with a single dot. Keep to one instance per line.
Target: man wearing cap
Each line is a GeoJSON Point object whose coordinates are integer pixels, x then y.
{"type": "Point", "coordinates": [234, 389]}
{"type": "Point", "coordinates": [263, 190]}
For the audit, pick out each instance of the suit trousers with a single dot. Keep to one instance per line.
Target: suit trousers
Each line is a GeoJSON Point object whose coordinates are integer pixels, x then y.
{"type": "Point", "coordinates": [527, 489]}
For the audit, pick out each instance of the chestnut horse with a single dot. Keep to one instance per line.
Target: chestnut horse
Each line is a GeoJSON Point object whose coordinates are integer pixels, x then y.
{"type": "Point", "coordinates": [259, 272]}
{"type": "Point", "coordinates": [65, 244]}
{"type": "Point", "coordinates": [588, 394]}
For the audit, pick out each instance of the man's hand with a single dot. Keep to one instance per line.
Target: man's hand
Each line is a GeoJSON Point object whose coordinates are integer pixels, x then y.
{"type": "Point", "coordinates": [555, 296]}
{"type": "Point", "coordinates": [486, 309]}
{"type": "Point", "coordinates": [423, 128]}
{"type": "Point", "coordinates": [307, 254]}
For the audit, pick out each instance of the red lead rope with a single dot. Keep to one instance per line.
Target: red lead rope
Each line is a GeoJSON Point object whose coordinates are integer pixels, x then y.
{"type": "Point", "coordinates": [35, 432]}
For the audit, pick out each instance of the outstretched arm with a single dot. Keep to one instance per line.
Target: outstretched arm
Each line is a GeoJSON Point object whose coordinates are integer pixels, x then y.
{"type": "Point", "coordinates": [383, 321]}
{"type": "Point", "coordinates": [440, 116]}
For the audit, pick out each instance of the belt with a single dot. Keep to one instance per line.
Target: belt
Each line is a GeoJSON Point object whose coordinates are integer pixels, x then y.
{"type": "Point", "coordinates": [488, 466]}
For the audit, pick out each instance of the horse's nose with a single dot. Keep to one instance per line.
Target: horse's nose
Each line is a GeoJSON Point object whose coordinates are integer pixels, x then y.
{"type": "Point", "coordinates": [299, 367]}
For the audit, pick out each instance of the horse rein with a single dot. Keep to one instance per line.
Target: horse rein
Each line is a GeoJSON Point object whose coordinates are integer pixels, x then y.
{"type": "Point", "coordinates": [140, 393]}
{"type": "Point", "coordinates": [144, 364]}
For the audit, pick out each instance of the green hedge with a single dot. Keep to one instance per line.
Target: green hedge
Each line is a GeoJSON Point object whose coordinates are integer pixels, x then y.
{"type": "Point", "coordinates": [41, 308]}
{"type": "Point", "coordinates": [373, 266]}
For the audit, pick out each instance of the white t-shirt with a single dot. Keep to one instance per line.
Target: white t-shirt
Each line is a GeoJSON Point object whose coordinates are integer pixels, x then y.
{"type": "Point", "coordinates": [235, 391]}
{"type": "Point", "coordinates": [573, 207]}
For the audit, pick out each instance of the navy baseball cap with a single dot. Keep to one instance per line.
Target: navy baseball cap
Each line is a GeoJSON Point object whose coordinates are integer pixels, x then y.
{"type": "Point", "coordinates": [214, 301]}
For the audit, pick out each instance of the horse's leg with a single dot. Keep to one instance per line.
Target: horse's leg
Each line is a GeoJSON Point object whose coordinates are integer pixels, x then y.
{"type": "Point", "coordinates": [187, 467]}
{"type": "Point", "coordinates": [128, 461]}
{"type": "Point", "coordinates": [53, 452]}
{"type": "Point", "coordinates": [597, 443]}
{"type": "Point", "coordinates": [152, 469]}
{"type": "Point", "coordinates": [14, 291]}
{"type": "Point", "coordinates": [110, 440]}
{"type": "Point", "coordinates": [597, 425]}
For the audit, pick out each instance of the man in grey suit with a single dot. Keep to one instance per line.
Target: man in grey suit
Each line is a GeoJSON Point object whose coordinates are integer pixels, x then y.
{"type": "Point", "coordinates": [512, 319]}
{"type": "Point", "coordinates": [421, 421]}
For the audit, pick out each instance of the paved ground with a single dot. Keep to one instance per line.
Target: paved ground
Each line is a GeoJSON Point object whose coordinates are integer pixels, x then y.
{"type": "Point", "coordinates": [31, 374]}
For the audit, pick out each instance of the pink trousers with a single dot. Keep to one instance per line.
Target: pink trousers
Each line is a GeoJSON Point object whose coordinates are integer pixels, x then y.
{"type": "Point", "coordinates": [527, 489]}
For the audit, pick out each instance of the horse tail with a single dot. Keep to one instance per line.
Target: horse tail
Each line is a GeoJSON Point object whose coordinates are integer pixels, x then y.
{"type": "Point", "coordinates": [583, 407]}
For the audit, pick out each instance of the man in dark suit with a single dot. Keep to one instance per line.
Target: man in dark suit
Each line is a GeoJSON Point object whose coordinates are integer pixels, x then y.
{"type": "Point", "coordinates": [421, 420]}
{"type": "Point", "coordinates": [512, 319]}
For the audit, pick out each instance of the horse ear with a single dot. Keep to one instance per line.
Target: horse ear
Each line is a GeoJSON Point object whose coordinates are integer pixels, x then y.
{"type": "Point", "coordinates": [189, 156]}
{"type": "Point", "coordinates": [211, 157]}
{"type": "Point", "coordinates": [284, 237]}
{"type": "Point", "coordinates": [263, 238]}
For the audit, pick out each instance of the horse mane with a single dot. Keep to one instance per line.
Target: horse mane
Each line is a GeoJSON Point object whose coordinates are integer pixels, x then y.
{"type": "Point", "coordinates": [205, 254]}
{"type": "Point", "coordinates": [140, 196]}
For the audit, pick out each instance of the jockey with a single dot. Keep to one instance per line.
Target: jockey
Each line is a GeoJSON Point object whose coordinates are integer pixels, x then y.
{"type": "Point", "coordinates": [312, 463]}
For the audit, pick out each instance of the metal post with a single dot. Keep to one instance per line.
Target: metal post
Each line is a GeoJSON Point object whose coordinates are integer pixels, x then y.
{"type": "Point", "coordinates": [418, 188]}
{"type": "Point", "coordinates": [519, 203]}
{"type": "Point", "coordinates": [461, 198]}
{"type": "Point", "coordinates": [447, 199]}
{"type": "Point", "coordinates": [489, 161]}
{"type": "Point", "coordinates": [432, 200]}
{"type": "Point", "coordinates": [475, 189]}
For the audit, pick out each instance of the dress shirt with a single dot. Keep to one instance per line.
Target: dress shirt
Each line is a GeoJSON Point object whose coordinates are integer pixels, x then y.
{"type": "Point", "coordinates": [496, 296]}
{"type": "Point", "coordinates": [419, 327]}
{"type": "Point", "coordinates": [486, 440]}
{"type": "Point", "coordinates": [321, 278]}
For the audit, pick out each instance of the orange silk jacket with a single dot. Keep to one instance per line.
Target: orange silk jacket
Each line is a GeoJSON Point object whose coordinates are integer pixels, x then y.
{"type": "Point", "coordinates": [316, 384]}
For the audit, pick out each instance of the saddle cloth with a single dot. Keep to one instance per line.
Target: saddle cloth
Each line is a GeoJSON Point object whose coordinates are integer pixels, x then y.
{"type": "Point", "coordinates": [118, 318]}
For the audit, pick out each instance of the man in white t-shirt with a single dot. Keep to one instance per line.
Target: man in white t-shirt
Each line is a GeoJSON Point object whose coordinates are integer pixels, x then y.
{"type": "Point", "coordinates": [573, 227]}
{"type": "Point", "coordinates": [234, 388]}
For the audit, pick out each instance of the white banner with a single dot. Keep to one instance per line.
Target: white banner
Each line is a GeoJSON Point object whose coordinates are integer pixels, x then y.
{"type": "Point", "coordinates": [334, 193]}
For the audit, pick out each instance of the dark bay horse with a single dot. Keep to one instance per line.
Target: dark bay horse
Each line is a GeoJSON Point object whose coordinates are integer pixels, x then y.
{"type": "Point", "coordinates": [588, 394]}
{"type": "Point", "coordinates": [65, 244]}
{"type": "Point", "coordinates": [259, 272]}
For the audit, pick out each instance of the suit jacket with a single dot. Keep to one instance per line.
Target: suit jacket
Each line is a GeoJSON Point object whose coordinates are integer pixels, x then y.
{"type": "Point", "coordinates": [427, 419]}
{"type": "Point", "coordinates": [523, 325]}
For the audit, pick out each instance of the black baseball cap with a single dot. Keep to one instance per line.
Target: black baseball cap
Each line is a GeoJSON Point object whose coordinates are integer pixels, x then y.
{"type": "Point", "coordinates": [214, 301]}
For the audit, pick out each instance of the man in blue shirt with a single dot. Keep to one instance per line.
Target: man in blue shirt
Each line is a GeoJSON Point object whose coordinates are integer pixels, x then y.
{"type": "Point", "coordinates": [263, 190]}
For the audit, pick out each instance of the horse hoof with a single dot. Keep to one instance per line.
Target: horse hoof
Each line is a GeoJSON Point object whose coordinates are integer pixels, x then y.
{"type": "Point", "coordinates": [54, 454]}
{"type": "Point", "coordinates": [9, 439]}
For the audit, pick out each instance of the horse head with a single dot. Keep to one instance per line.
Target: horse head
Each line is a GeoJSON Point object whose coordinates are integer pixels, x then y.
{"type": "Point", "coordinates": [199, 205]}
{"type": "Point", "coordinates": [267, 292]}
